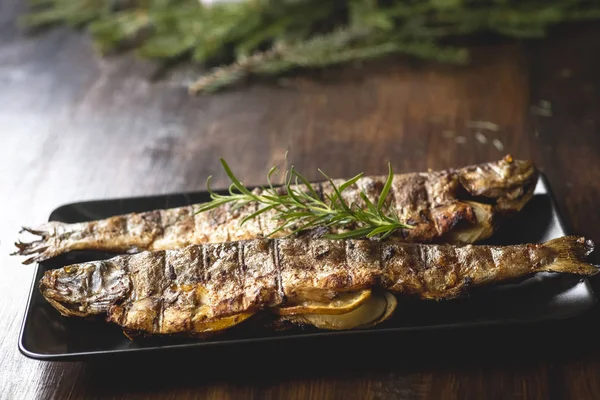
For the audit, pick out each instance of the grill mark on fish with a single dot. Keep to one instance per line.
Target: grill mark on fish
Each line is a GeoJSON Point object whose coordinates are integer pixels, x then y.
{"type": "Point", "coordinates": [171, 272]}
{"type": "Point", "coordinates": [428, 187]}
{"type": "Point", "coordinates": [422, 258]}
{"type": "Point", "coordinates": [178, 228]}
{"type": "Point", "coordinates": [418, 198]}
{"type": "Point", "coordinates": [200, 255]}
{"type": "Point", "coordinates": [158, 326]}
{"type": "Point", "coordinates": [275, 256]}
{"type": "Point", "coordinates": [243, 271]}
{"type": "Point", "coordinates": [168, 296]}
{"type": "Point", "coordinates": [189, 322]}
{"type": "Point", "coordinates": [237, 277]}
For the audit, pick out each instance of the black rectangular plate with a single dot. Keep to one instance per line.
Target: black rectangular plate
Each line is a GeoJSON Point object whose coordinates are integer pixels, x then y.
{"type": "Point", "coordinates": [46, 335]}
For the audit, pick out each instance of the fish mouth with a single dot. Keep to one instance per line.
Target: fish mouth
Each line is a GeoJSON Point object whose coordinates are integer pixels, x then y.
{"type": "Point", "coordinates": [62, 296]}
{"type": "Point", "coordinates": [58, 298]}
{"type": "Point", "coordinates": [66, 309]}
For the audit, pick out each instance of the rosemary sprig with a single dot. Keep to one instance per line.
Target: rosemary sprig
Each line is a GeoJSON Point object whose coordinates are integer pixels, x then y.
{"type": "Point", "coordinates": [245, 38]}
{"type": "Point", "coordinates": [299, 210]}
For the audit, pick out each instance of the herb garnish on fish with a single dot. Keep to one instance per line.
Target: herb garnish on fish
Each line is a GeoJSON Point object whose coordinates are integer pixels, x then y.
{"type": "Point", "coordinates": [302, 210]}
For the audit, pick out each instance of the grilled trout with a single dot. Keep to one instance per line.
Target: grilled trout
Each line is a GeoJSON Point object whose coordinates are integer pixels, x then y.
{"type": "Point", "coordinates": [451, 206]}
{"type": "Point", "coordinates": [331, 284]}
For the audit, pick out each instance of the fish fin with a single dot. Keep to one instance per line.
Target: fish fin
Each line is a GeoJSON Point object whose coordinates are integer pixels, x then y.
{"type": "Point", "coordinates": [570, 254]}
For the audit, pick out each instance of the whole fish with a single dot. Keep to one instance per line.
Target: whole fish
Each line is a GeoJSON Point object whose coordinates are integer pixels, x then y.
{"type": "Point", "coordinates": [452, 206]}
{"type": "Point", "coordinates": [214, 286]}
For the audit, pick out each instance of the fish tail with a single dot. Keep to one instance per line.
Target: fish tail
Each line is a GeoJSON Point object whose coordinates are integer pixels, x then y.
{"type": "Point", "coordinates": [41, 249]}
{"type": "Point", "coordinates": [570, 255]}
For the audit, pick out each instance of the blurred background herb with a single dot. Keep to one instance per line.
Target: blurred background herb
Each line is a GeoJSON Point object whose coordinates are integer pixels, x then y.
{"type": "Point", "coordinates": [238, 39]}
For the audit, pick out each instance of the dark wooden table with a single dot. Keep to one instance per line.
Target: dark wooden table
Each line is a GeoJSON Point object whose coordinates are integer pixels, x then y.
{"type": "Point", "coordinates": [76, 127]}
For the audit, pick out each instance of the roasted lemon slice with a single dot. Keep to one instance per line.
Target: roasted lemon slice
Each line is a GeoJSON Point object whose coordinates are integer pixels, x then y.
{"type": "Point", "coordinates": [341, 304]}
{"type": "Point", "coordinates": [378, 308]}
{"type": "Point", "coordinates": [219, 324]}
{"type": "Point", "coordinates": [482, 229]}
{"type": "Point", "coordinates": [390, 307]}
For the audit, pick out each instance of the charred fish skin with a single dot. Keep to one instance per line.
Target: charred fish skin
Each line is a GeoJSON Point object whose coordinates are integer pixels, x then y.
{"type": "Point", "coordinates": [443, 272]}
{"type": "Point", "coordinates": [225, 279]}
{"type": "Point", "coordinates": [153, 230]}
{"type": "Point", "coordinates": [318, 269]}
{"type": "Point", "coordinates": [170, 291]}
{"type": "Point", "coordinates": [211, 286]}
{"type": "Point", "coordinates": [428, 201]}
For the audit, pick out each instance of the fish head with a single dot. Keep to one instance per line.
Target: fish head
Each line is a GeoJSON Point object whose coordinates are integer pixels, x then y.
{"type": "Point", "coordinates": [509, 182]}
{"type": "Point", "coordinates": [85, 289]}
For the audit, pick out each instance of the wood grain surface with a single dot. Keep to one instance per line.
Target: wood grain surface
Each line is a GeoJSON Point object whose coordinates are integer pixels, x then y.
{"type": "Point", "coordinates": [76, 127]}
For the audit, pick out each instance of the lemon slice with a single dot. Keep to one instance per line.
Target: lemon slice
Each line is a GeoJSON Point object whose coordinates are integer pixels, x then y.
{"type": "Point", "coordinates": [390, 307]}
{"type": "Point", "coordinates": [484, 227]}
{"type": "Point", "coordinates": [341, 304]}
{"type": "Point", "coordinates": [219, 324]}
{"type": "Point", "coordinates": [378, 308]}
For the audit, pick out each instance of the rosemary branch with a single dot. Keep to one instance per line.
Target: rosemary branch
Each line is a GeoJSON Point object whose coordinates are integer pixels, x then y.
{"type": "Point", "coordinates": [245, 38]}
{"type": "Point", "coordinates": [299, 210]}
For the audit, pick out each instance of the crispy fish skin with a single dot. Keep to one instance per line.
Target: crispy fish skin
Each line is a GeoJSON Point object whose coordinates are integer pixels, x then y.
{"type": "Point", "coordinates": [428, 201]}
{"type": "Point", "coordinates": [181, 291]}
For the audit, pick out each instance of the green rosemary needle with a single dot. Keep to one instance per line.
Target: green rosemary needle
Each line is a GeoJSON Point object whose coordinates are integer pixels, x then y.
{"type": "Point", "coordinates": [300, 210]}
